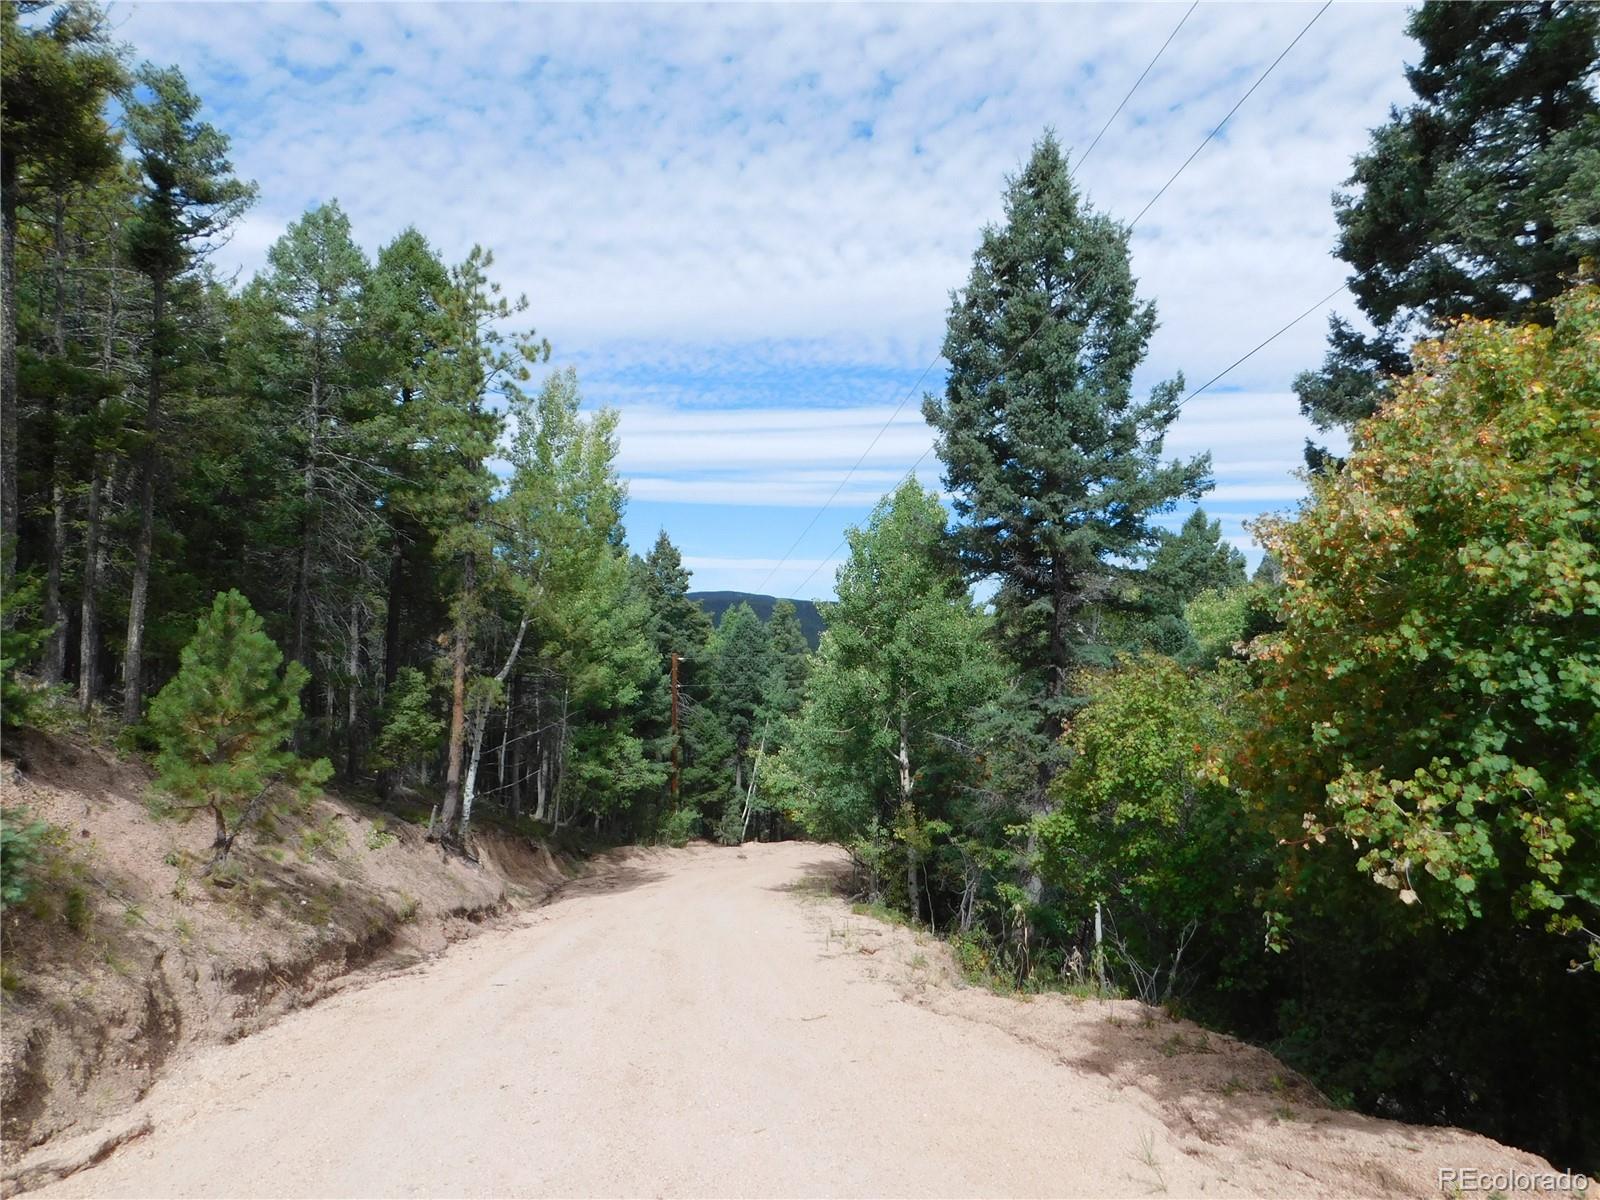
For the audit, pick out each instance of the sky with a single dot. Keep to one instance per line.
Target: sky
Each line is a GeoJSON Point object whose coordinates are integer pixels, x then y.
{"type": "Point", "coordinates": [743, 224]}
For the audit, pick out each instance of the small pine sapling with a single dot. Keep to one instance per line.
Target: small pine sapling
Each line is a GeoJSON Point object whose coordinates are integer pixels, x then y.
{"type": "Point", "coordinates": [223, 723]}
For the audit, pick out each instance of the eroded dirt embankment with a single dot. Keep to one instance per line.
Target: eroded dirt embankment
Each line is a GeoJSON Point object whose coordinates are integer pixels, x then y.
{"type": "Point", "coordinates": [125, 960]}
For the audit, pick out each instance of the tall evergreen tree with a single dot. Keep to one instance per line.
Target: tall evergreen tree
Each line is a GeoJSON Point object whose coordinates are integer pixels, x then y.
{"type": "Point", "coordinates": [474, 361]}
{"type": "Point", "coordinates": [791, 659]}
{"type": "Point", "coordinates": [1479, 199]}
{"type": "Point", "coordinates": [189, 197]}
{"type": "Point", "coordinates": [302, 329]}
{"type": "Point", "coordinates": [1055, 466]}
{"type": "Point", "coordinates": [405, 323]}
{"type": "Point", "coordinates": [55, 79]}
{"type": "Point", "coordinates": [741, 663]}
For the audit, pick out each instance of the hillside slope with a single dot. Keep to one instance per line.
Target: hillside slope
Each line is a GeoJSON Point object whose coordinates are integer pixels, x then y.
{"type": "Point", "coordinates": [123, 959]}
{"type": "Point", "coordinates": [811, 621]}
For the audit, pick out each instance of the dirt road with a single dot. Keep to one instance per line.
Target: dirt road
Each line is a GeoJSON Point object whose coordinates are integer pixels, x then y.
{"type": "Point", "coordinates": [707, 1022]}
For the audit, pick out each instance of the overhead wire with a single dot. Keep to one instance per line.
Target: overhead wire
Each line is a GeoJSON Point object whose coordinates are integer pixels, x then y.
{"type": "Point", "coordinates": [1204, 142]}
{"type": "Point", "coordinates": [1148, 67]}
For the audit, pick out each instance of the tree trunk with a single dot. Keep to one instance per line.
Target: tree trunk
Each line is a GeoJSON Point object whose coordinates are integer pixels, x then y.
{"type": "Point", "coordinates": [480, 720]}
{"type": "Point", "coordinates": [750, 796]}
{"type": "Point", "coordinates": [89, 613]}
{"type": "Point", "coordinates": [903, 762]}
{"type": "Point", "coordinates": [54, 667]}
{"type": "Point", "coordinates": [9, 424]}
{"type": "Point", "coordinates": [558, 764]}
{"type": "Point", "coordinates": [458, 700]}
{"type": "Point", "coordinates": [540, 752]}
{"type": "Point", "coordinates": [469, 789]}
{"type": "Point", "coordinates": [138, 592]}
{"type": "Point", "coordinates": [93, 550]}
{"type": "Point", "coordinates": [518, 752]}
{"type": "Point", "coordinates": [352, 709]}
{"type": "Point", "coordinates": [391, 615]}
{"type": "Point", "coordinates": [308, 499]}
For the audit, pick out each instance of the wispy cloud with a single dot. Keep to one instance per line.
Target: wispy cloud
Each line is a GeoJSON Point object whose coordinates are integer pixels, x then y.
{"type": "Point", "coordinates": [726, 209]}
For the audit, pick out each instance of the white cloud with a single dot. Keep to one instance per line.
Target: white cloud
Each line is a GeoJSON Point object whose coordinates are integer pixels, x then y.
{"type": "Point", "coordinates": [691, 174]}
{"type": "Point", "coordinates": [743, 223]}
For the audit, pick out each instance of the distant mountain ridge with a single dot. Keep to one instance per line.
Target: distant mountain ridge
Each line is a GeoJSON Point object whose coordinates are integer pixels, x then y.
{"type": "Point", "coordinates": [716, 603]}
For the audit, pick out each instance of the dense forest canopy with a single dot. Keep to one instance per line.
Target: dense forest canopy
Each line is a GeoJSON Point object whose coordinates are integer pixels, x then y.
{"type": "Point", "coordinates": [338, 525]}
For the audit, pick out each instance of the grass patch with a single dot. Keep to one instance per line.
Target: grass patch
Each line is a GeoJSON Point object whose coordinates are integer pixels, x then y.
{"type": "Point", "coordinates": [378, 835]}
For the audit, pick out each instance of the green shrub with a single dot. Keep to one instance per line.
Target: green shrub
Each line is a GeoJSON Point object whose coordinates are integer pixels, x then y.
{"type": "Point", "coordinates": [679, 827]}
{"type": "Point", "coordinates": [326, 837]}
{"type": "Point", "coordinates": [20, 638]}
{"type": "Point", "coordinates": [378, 835]}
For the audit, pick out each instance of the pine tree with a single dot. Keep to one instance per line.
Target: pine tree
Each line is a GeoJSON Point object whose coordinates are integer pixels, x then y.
{"type": "Point", "coordinates": [55, 79]}
{"type": "Point", "coordinates": [301, 328]}
{"type": "Point", "coordinates": [791, 658]}
{"type": "Point", "coordinates": [741, 663]}
{"type": "Point", "coordinates": [189, 198]}
{"type": "Point", "coordinates": [1054, 466]}
{"type": "Point", "coordinates": [1479, 199]}
{"type": "Point", "coordinates": [679, 625]}
{"type": "Point", "coordinates": [223, 722]}
{"type": "Point", "coordinates": [474, 360]}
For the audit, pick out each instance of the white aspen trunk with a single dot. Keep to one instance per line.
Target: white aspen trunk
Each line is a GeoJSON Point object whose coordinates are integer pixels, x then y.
{"type": "Point", "coordinates": [480, 719]}
{"type": "Point", "coordinates": [755, 767]}
{"type": "Point", "coordinates": [903, 759]}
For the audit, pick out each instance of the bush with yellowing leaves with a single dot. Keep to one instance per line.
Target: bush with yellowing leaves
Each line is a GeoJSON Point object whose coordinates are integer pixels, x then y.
{"type": "Point", "coordinates": [1432, 701]}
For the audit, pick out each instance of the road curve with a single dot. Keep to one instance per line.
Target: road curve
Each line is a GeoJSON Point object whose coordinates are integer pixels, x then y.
{"type": "Point", "coordinates": [685, 1023]}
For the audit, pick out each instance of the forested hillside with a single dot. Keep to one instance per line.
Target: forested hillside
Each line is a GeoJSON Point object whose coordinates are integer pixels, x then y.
{"type": "Point", "coordinates": [337, 524]}
{"type": "Point", "coordinates": [811, 620]}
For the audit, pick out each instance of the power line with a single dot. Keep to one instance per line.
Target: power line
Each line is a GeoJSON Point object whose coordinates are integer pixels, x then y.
{"type": "Point", "coordinates": [1207, 140]}
{"type": "Point", "coordinates": [846, 477]}
{"type": "Point", "coordinates": [816, 516]}
{"type": "Point", "coordinates": [1243, 358]}
{"type": "Point", "coordinates": [1263, 344]}
{"type": "Point", "coordinates": [1284, 53]}
{"type": "Point", "coordinates": [1137, 82]}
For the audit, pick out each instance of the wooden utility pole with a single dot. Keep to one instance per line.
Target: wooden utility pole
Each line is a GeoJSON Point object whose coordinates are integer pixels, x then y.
{"type": "Point", "coordinates": [677, 758]}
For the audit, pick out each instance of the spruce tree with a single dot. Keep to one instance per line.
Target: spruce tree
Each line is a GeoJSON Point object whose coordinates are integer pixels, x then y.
{"type": "Point", "coordinates": [679, 625]}
{"type": "Point", "coordinates": [791, 659]}
{"type": "Point", "coordinates": [405, 324]}
{"type": "Point", "coordinates": [1055, 467]}
{"type": "Point", "coordinates": [1191, 561]}
{"type": "Point", "coordinates": [741, 663]}
{"type": "Point", "coordinates": [223, 722]}
{"type": "Point", "coordinates": [1479, 199]}
{"type": "Point", "coordinates": [303, 324]}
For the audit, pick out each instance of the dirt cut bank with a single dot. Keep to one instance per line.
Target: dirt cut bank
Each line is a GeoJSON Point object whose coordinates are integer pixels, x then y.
{"type": "Point", "coordinates": [124, 959]}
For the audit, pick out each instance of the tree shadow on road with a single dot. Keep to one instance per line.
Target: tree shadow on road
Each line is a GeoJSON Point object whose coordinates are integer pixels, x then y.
{"type": "Point", "coordinates": [606, 879]}
{"type": "Point", "coordinates": [833, 877]}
